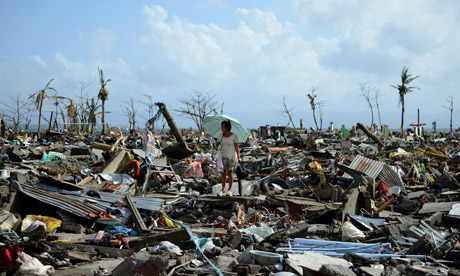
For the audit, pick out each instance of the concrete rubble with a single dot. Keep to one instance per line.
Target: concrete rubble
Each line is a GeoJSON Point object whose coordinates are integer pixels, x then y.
{"type": "Point", "coordinates": [339, 202]}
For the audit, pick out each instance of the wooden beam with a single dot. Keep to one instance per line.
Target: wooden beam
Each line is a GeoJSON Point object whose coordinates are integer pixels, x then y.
{"type": "Point", "coordinates": [85, 180]}
{"type": "Point", "coordinates": [140, 225]}
{"type": "Point", "coordinates": [101, 146]}
{"type": "Point", "coordinates": [371, 135]}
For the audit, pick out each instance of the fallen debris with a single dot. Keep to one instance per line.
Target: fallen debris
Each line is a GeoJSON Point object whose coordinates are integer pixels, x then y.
{"type": "Point", "coordinates": [332, 203]}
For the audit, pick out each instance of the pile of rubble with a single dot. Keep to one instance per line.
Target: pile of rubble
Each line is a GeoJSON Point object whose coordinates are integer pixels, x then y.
{"type": "Point", "coordinates": [334, 203]}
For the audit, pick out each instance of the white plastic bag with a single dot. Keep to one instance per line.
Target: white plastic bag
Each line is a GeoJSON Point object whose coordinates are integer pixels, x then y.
{"type": "Point", "coordinates": [206, 243]}
{"type": "Point", "coordinates": [32, 266]}
{"type": "Point", "coordinates": [351, 233]}
{"type": "Point", "coordinates": [7, 221]}
{"type": "Point", "coordinates": [220, 165]}
{"type": "Point", "coordinates": [169, 247]}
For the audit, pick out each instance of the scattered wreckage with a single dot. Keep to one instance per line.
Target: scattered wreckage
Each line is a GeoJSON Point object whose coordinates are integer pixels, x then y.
{"type": "Point", "coordinates": [332, 203]}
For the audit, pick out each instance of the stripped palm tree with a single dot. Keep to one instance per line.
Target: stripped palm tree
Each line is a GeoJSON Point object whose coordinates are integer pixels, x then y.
{"type": "Point", "coordinates": [39, 97]}
{"type": "Point", "coordinates": [57, 103]}
{"type": "Point", "coordinates": [103, 95]}
{"type": "Point", "coordinates": [72, 114]}
{"type": "Point", "coordinates": [403, 89]}
{"type": "Point", "coordinates": [92, 112]}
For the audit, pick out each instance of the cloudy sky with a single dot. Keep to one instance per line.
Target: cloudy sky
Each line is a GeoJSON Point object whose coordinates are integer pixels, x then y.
{"type": "Point", "coordinates": [248, 53]}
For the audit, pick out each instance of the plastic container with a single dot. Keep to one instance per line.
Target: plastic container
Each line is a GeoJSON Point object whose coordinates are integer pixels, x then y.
{"type": "Point", "coordinates": [395, 190]}
{"type": "Point", "coordinates": [266, 258]}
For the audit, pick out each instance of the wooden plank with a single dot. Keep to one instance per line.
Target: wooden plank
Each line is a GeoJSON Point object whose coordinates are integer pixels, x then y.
{"type": "Point", "coordinates": [85, 180]}
{"type": "Point", "coordinates": [101, 146]}
{"type": "Point", "coordinates": [105, 251]}
{"type": "Point", "coordinates": [115, 163]}
{"type": "Point", "coordinates": [174, 236]}
{"type": "Point", "coordinates": [140, 225]}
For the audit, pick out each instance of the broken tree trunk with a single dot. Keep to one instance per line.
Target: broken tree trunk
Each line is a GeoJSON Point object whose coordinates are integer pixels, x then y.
{"type": "Point", "coordinates": [172, 124]}
{"type": "Point", "coordinates": [115, 145]}
{"type": "Point", "coordinates": [371, 135]}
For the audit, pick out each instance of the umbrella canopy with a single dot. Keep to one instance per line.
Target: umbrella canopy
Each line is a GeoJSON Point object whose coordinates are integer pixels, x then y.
{"type": "Point", "coordinates": [418, 124]}
{"type": "Point", "coordinates": [212, 125]}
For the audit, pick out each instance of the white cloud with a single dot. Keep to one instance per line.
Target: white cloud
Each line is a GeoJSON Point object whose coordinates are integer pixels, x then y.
{"type": "Point", "coordinates": [262, 22]}
{"type": "Point", "coordinates": [261, 53]}
{"type": "Point", "coordinates": [38, 59]}
{"type": "Point", "coordinates": [250, 64]}
{"type": "Point", "coordinates": [192, 49]}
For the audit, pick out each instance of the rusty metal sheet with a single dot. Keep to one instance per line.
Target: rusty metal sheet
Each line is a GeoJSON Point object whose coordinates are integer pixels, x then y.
{"type": "Point", "coordinates": [367, 166]}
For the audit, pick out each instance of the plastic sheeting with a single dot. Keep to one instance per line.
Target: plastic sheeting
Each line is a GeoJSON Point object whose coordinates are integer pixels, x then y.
{"type": "Point", "coordinates": [455, 211]}
{"type": "Point", "coordinates": [117, 178]}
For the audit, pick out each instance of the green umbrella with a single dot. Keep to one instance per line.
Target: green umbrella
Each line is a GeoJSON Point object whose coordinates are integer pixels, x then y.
{"type": "Point", "coordinates": [212, 125]}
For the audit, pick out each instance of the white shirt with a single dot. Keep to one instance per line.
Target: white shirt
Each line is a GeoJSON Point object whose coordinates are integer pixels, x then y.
{"type": "Point", "coordinates": [227, 145]}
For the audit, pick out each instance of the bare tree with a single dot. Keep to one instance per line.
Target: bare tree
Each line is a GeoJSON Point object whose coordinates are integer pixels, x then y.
{"type": "Point", "coordinates": [288, 112]}
{"type": "Point", "coordinates": [376, 98]}
{"type": "Point", "coordinates": [313, 104]}
{"type": "Point", "coordinates": [197, 106]}
{"type": "Point", "coordinates": [150, 106]}
{"type": "Point", "coordinates": [28, 114]}
{"type": "Point", "coordinates": [81, 106]}
{"type": "Point", "coordinates": [130, 112]}
{"type": "Point", "coordinates": [14, 111]}
{"type": "Point", "coordinates": [366, 90]}
{"type": "Point", "coordinates": [221, 109]}
{"type": "Point", "coordinates": [451, 109]}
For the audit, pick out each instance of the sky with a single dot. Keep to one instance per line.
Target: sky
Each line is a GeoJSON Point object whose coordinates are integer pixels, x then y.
{"type": "Point", "coordinates": [248, 54]}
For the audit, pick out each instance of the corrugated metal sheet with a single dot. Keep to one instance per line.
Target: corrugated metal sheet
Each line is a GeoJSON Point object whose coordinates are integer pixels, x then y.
{"type": "Point", "coordinates": [376, 169]}
{"type": "Point", "coordinates": [145, 203]}
{"type": "Point", "coordinates": [390, 175]}
{"type": "Point", "coordinates": [107, 199]}
{"type": "Point", "coordinates": [77, 207]}
{"type": "Point", "coordinates": [367, 166]}
{"type": "Point", "coordinates": [78, 204]}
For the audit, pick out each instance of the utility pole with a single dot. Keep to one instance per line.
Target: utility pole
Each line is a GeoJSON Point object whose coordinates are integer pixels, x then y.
{"type": "Point", "coordinates": [418, 122]}
{"type": "Point", "coordinates": [451, 109]}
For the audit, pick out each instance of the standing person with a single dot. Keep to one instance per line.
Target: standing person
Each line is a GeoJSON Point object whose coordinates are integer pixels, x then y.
{"type": "Point", "coordinates": [230, 153]}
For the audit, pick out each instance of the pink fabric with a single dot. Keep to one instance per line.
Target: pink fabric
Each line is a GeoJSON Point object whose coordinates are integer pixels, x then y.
{"type": "Point", "coordinates": [196, 166]}
{"type": "Point", "coordinates": [149, 139]}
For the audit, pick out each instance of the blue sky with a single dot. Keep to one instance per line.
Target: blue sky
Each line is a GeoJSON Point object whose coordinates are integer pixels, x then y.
{"type": "Point", "coordinates": [248, 53]}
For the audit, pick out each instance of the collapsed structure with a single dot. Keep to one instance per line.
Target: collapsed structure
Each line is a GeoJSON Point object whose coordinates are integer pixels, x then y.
{"type": "Point", "coordinates": [332, 203]}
